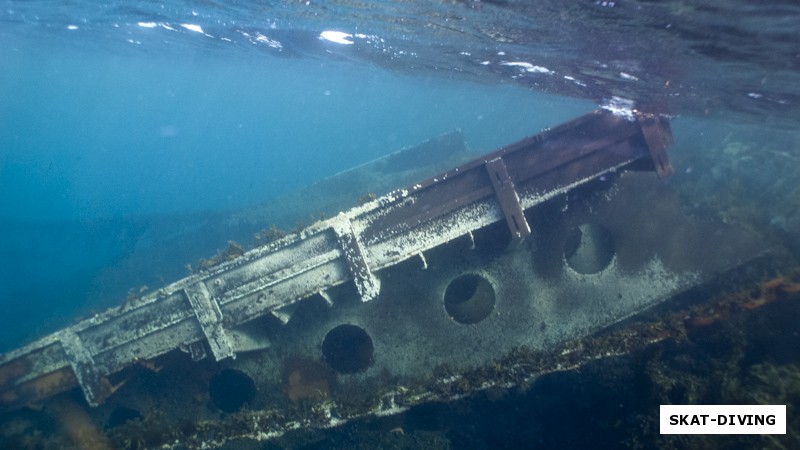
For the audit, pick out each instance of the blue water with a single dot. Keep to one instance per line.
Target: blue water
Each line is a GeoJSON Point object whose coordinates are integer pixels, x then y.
{"type": "Point", "coordinates": [100, 138]}
{"type": "Point", "coordinates": [88, 134]}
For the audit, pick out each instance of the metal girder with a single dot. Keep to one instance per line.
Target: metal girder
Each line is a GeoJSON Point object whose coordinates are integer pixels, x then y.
{"type": "Point", "coordinates": [352, 246]}
{"type": "Point", "coordinates": [509, 199]}
{"type": "Point", "coordinates": [209, 317]}
{"type": "Point", "coordinates": [368, 286]}
{"type": "Point", "coordinates": [95, 387]}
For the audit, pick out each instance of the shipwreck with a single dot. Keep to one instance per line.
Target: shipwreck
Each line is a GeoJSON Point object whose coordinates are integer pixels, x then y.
{"type": "Point", "coordinates": [485, 274]}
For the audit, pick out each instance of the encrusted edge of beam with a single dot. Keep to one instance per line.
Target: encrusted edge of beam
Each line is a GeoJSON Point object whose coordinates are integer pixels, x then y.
{"type": "Point", "coordinates": [367, 284]}
{"type": "Point", "coordinates": [509, 199]}
{"type": "Point", "coordinates": [209, 315]}
{"type": "Point", "coordinates": [94, 385]}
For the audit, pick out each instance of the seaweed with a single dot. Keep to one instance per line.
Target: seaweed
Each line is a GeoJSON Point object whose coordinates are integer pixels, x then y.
{"type": "Point", "coordinates": [231, 252]}
{"type": "Point", "coordinates": [267, 235]}
{"type": "Point", "coordinates": [366, 198]}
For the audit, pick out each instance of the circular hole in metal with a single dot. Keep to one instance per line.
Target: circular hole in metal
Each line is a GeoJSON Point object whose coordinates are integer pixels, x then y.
{"type": "Point", "coordinates": [231, 389]}
{"type": "Point", "coordinates": [348, 349]}
{"type": "Point", "coordinates": [469, 298]}
{"type": "Point", "coordinates": [589, 248]}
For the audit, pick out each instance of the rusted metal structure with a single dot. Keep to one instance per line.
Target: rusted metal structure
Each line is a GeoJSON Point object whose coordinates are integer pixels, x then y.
{"type": "Point", "coordinates": [583, 247]}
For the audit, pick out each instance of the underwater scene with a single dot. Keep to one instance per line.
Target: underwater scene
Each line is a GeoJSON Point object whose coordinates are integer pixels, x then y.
{"type": "Point", "coordinates": [462, 224]}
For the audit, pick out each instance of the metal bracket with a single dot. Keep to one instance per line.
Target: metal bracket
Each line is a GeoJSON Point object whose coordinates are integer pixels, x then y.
{"type": "Point", "coordinates": [95, 386]}
{"type": "Point", "coordinates": [509, 200]}
{"type": "Point", "coordinates": [658, 136]}
{"type": "Point", "coordinates": [209, 316]}
{"type": "Point", "coordinates": [196, 350]}
{"type": "Point", "coordinates": [327, 297]}
{"type": "Point", "coordinates": [367, 284]}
